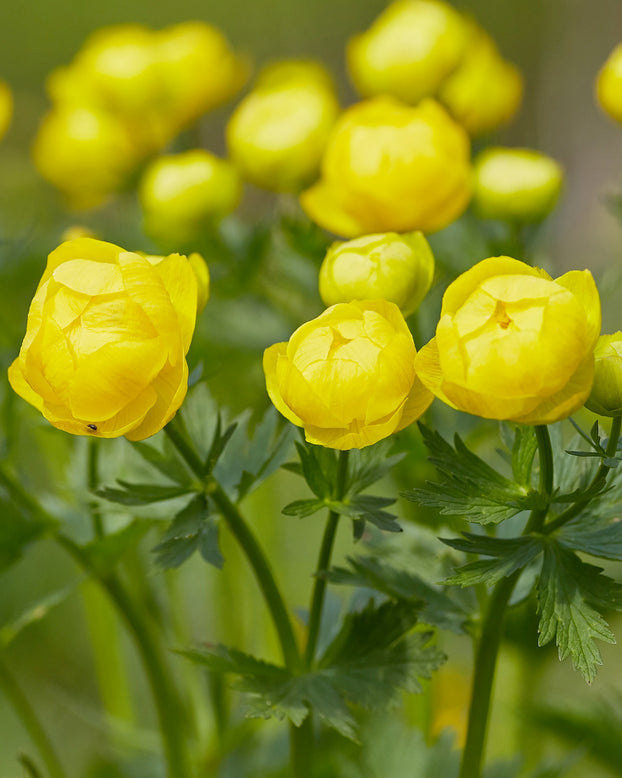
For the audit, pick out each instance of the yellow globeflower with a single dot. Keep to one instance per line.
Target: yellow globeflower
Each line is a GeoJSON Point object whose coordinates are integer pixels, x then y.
{"type": "Point", "coordinates": [277, 134]}
{"type": "Point", "coordinates": [514, 344]}
{"type": "Point", "coordinates": [348, 376]}
{"type": "Point", "coordinates": [391, 168]}
{"type": "Point", "coordinates": [606, 396]}
{"type": "Point", "coordinates": [393, 267]}
{"type": "Point", "coordinates": [84, 153]}
{"type": "Point", "coordinates": [609, 84]}
{"type": "Point", "coordinates": [180, 193]}
{"type": "Point", "coordinates": [515, 184]}
{"type": "Point", "coordinates": [408, 51]}
{"type": "Point", "coordinates": [108, 331]}
{"type": "Point", "coordinates": [485, 91]}
{"type": "Point", "coordinates": [6, 107]}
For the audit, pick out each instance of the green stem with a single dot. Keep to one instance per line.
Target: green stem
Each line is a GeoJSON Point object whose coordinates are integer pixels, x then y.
{"type": "Point", "coordinates": [601, 474]}
{"type": "Point", "coordinates": [169, 709]}
{"type": "Point", "coordinates": [485, 663]}
{"type": "Point", "coordinates": [30, 720]}
{"type": "Point", "coordinates": [301, 744]}
{"type": "Point", "coordinates": [93, 482]}
{"type": "Point", "coordinates": [326, 550]}
{"type": "Point", "coordinates": [545, 454]}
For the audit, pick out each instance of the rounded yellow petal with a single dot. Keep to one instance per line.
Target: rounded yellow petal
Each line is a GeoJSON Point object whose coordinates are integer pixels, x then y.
{"type": "Point", "coordinates": [609, 84]}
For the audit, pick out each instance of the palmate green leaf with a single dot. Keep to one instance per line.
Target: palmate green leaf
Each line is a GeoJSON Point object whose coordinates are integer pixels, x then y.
{"type": "Point", "coordinates": [567, 591]}
{"type": "Point", "coordinates": [370, 464]}
{"type": "Point", "coordinates": [471, 488]}
{"type": "Point", "coordinates": [140, 494]}
{"type": "Point", "coordinates": [192, 529]}
{"type": "Point", "coordinates": [604, 541]}
{"type": "Point", "coordinates": [318, 466]}
{"type": "Point", "coordinates": [365, 507]}
{"type": "Point", "coordinates": [435, 607]}
{"type": "Point", "coordinates": [508, 556]}
{"type": "Point", "coordinates": [370, 659]}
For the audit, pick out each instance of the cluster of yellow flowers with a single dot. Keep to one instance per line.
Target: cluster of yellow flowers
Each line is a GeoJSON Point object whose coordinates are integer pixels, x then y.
{"type": "Point", "coordinates": [127, 94]}
{"type": "Point", "coordinates": [108, 330]}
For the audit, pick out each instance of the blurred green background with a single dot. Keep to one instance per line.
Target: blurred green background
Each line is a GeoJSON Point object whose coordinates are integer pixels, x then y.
{"type": "Point", "coordinates": [558, 44]}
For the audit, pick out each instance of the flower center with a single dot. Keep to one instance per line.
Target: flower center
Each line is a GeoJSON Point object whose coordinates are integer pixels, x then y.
{"type": "Point", "coordinates": [500, 315]}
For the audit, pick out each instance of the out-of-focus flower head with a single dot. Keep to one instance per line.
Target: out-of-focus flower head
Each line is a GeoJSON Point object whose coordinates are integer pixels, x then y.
{"type": "Point", "coordinates": [606, 396]}
{"type": "Point", "coordinates": [277, 134]}
{"type": "Point", "coordinates": [152, 84]}
{"type": "Point", "coordinates": [609, 84]}
{"type": "Point", "coordinates": [485, 91]}
{"type": "Point", "coordinates": [393, 267]}
{"type": "Point", "coordinates": [6, 107]}
{"type": "Point", "coordinates": [181, 193]}
{"type": "Point", "coordinates": [348, 376]}
{"type": "Point", "coordinates": [514, 344]}
{"type": "Point", "coordinates": [519, 185]}
{"type": "Point", "coordinates": [105, 345]}
{"type": "Point", "coordinates": [408, 51]}
{"type": "Point", "coordinates": [389, 167]}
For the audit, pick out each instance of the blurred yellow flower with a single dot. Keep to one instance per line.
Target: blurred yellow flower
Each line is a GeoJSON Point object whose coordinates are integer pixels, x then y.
{"type": "Point", "coordinates": [514, 344]}
{"type": "Point", "coordinates": [84, 153]}
{"type": "Point", "coordinates": [105, 345]}
{"type": "Point", "coordinates": [390, 167]}
{"type": "Point", "coordinates": [485, 91]}
{"type": "Point", "coordinates": [609, 84]}
{"type": "Point", "coordinates": [181, 193]}
{"type": "Point", "coordinates": [408, 51]}
{"type": "Point", "coordinates": [348, 376]}
{"type": "Point", "coordinates": [277, 134]}
{"type": "Point", "coordinates": [515, 184]}
{"type": "Point", "coordinates": [393, 267]}
{"type": "Point", "coordinates": [606, 396]}
{"type": "Point", "coordinates": [6, 107]}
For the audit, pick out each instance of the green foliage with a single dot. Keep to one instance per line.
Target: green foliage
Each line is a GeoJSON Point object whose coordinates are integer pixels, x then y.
{"type": "Point", "coordinates": [192, 529]}
{"type": "Point", "coordinates": [140, 494]}
{"type": "Point", "coordinates": [596, 443]}
{"type": "Point", "coordinates": [508, 556]}
{"type": "Point", "coordinates": [568, 591]}
{"type": "Point", "coordinates": [19, 528]}
{"type": "Point", "coordinates": [523, 452]}
{"type": "Point", "coordinates": [104, 553]}
{"type": "Point", "coordinates": [375, 654]}
{"type": "Point", "coordinates": [33, 613]}
{"type": "Point", "coordinates": [470, 487]}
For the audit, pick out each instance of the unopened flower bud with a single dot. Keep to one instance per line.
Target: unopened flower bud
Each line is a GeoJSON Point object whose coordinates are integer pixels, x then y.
{"type": "Point", "coordinates": [606, 396]}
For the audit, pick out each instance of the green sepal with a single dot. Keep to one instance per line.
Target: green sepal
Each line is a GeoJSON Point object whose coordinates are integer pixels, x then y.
{"type": "Point", "coordinates": [192, 529]}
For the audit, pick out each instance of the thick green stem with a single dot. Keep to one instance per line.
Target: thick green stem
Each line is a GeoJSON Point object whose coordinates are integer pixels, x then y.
{"type": "Point", "coordinates": [93, 481]}
{"type": "Point", "coordinates": [301, 744]}
{"type": "Point", "coordinates": [30, 720]}
{"type": "Point", "coordinates": [485, 663]}
{"type": "Point", "coordinates": [169, 709]}
{"type": "Point", "coordinates": [545, 454]}
{"type": "Point", "coordinates": [601, 474]}
{"type": "Point", "coordinates": [326, 550]}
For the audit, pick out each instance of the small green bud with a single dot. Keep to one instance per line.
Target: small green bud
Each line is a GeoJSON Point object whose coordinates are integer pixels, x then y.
{"type": "Point", "coordinates": [606, 396]}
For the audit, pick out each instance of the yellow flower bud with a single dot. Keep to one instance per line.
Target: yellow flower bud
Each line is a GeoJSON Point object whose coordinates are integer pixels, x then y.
{"type": "Point", "coordinates": [85, 154]}
{"type": "Point", "coordinates": [606, 396]}
{"type": "Point", "coordinates": [393, 267]}
{"type": "Point", "coordinates": [408, 51]}
{"type": "Point", "coordinates": [515, 184]}
{"type": "Point", "coordinates": [180, 193]}
{"type": "Point", "coordinates": [6, 107]}
{"type": "Point", "coordinates": [105, 345]}
{"type": "Point", "coordinates": [609, 84]}
{"type": "Point", "coordinates": [389, 167]}
{"type": "Point", "coordinates": [277, 134]}
{"type": "Point", "coordinates": [514, 344]}
{"type": "Point", "coordinates": [485, 91]}
{"type": "Point", "coordinates": [348, 376]}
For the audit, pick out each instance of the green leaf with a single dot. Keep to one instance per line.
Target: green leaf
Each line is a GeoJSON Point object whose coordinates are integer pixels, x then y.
{"type": "Point", "coordinates": [523, 453]}
{"type": "Point", "coordinates": [471, 489]}
{"type": "Point", "coordinates": [140, 494]}
{"type": "Point", "coordinates": [104, 553]}
{"type": "Point", "coordinates": [18, 529]}
{"type": "Point", "coordinates": [192, 529]}
{"type": "Point", "coordinates": [370, 464]}
{"type": "Point", "coordinates": [370, 659]}
{"type": "Point", "coordinates": [318, 467]}
{"type": "Point", "coordinates": [566, 591]}
{"type": "Point", "coordinates": [302, 508]}
{"type": "Point", "coordinates": [166, 463]}
{"type": "Point", "coordinates": [369, 508]}
{"type": "Point", "coordinates": [599, 541]}
{"type": "Point", "coordinates": [509, 555]}
{"type": "Point", "coordinates": [435, 607]}
{"type": "Point", "coordinates": [35, 612]}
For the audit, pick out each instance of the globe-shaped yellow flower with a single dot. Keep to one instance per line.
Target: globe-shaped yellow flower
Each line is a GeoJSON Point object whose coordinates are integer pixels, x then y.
{"type": "Point", "coordinates": [348, 376]}
{"type": "Point", "coordinates": [606, 396]}
{"type": "Point", "coordinates": [408, 51]}
{"type": "Point", "coordinates": [514, 344]}
{"type": "Point", "coordinates": [609, 84]}
{"type": "Point", "coordinates": [277, 134]}
{"type": "Point", "coordinates": [181, 193]}
{"type": "Point", "coordinates": [391, 168]}
{"type": "Point", "coordinates": [393, 267]}
{"type": "Point", "coordinates": [108, 331]}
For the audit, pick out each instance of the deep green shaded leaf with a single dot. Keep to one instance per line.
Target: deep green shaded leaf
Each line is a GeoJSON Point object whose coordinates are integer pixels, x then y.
{"type": "Point", "coordinates": [140, 494]}
{"type": "Point", "coordinates": [18, 529]}
{"type": "Point", "coordinates": [370, 464]}
{"type": "Point", "coordinates": [318, 469]}
{"type": "Point", "coordinates": [509, 555]}
{"type": "Point", "coordinates": [567, 590]}
{"type": "Point", "coordinates": [369, 508]}
{"type": "Point", "coordinates": [192, 529]}
{"type": "Point", "coordinates": [600, 541]}
{"type": "Point", "coordinates": [302, 508]}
